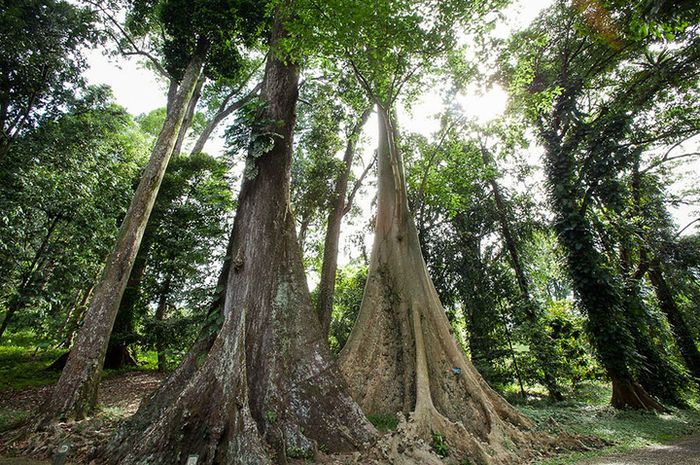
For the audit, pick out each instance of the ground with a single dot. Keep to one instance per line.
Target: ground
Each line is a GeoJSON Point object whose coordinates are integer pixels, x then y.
{"type": "Point", "coordinates": [633, 438]}
{"type": "Point", "coordinates": [684, 452]}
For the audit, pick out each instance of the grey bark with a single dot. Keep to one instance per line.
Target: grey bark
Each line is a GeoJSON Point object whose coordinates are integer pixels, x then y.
{"type": "Point", "coordinates": [75, 395]}
{"type": "Point", "coordinates": [324, 304]}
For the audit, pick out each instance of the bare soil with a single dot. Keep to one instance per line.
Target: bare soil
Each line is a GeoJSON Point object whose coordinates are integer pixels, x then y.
{"type": "Point", "coordinates": [683, 452]}
{"type": "Point", "coordinates": [119, 398]}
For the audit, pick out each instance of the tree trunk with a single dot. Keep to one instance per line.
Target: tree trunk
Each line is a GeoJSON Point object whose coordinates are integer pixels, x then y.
{"type": "Point", "coordinates": [75, 395]}
{"type": "Point", "coordinates": [324, 304]}
{"type": "Point", "coordinates": [401, 357]}
{"type": "Point", "coordinates": [221, 115]}
{"type": "Point", "coordinates": [189, 116]}
{"type": "Point", "coordinates": [78, 313]}
{"type": "Point", "coordinates": [160, 318]}
{"type": "Point", "coordinates": [19, 299]}
{"type": "Point", "coordinates": [269, 377]}
{"type": "Point", "coordinates": [599, 292]}
{"type": "Point", "coordinates": [541, 341]}
{"type": "Point", "coordinates": [680, 329]}
{"type": "Point", "coordinates": [155, 405]}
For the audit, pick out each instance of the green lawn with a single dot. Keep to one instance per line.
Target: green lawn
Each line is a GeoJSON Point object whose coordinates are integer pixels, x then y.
{"type": "Point", "coordinates": [589, 414]}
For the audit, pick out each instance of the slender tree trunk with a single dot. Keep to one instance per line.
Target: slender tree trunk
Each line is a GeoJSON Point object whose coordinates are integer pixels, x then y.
{"type": "Point", "coordinates": [269, 377]}
{"type": "Point", "coordinates": [19, 299]}
{"type": "Point", "coordinates": [221, 115]}
{"type": "Point", "coordinates": [75, 395]}
{"type": "Point", "coordinates": [401, 357]}
{"type": "Point", "coordinates": [516, 368]}
{"type": "Point", "coordinates": [680, 329]}
{"type": "Point", "coordinates": [189, 116]}
{"type": "Point", "coordinates": [160, 318]}
{"type": "Point", "coordinates": [541, 341]}
{"type": "Point", "coordinates": [324, 304]}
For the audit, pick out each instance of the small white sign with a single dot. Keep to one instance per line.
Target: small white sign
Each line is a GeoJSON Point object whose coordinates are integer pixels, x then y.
{"type": "Point", "coordinates": [192, 460]}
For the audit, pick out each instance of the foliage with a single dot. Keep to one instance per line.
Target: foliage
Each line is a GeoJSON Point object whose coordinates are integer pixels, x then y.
{"type": "Point", "coordinates": [439, 444]}
{"type": "Point", "coordinates": [349, 285]}
{"type": "Point", "coordinates": [177, 30]}
{"type": "Point", "coordinates": [189, 223]}
{"type": "Point", "coordinates": [384, 422]}
{"type": "Point", "coordinates": [62, 200]}
{"type": "Point", "coordinates": [600, 94]}
{"type": "Point", "coordinates": [42, 59]}
{"type": "Point", "coordinates": [23, 365]}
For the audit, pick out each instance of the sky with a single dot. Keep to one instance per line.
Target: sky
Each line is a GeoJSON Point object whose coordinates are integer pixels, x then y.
{"type": "Point", "coordinates": [140, 91]}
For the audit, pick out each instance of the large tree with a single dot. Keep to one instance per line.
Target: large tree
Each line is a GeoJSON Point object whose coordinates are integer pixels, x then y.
{"type": "Point", "coordinates": [400, 356]}
{"type": "Point", "coordinates": [589, 136]}
{"type": "Point", "coordinates": [269, 377]}
{"type": "Point", "coordinates": [197, 38]}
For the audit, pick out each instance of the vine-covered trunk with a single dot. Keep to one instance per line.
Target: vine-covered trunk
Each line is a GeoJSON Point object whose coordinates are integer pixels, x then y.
{"type": "Point", "coordinates": [75, 395]}
{"type": "Point", "coordinates": [269, 379]}
{"type": "Point", "coordinates": [679, 327]}
{"type": "Point", "coordinates": [600, 293]}
{"type": "Point", "coordinates": [326, 286]}
{"type": "Point", "coordinates": [401, 357]}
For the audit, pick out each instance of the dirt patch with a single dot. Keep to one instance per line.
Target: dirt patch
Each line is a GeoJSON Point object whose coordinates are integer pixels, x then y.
{"type": "Point", "coordinates": [119, 397]}
{"type": "Point", "coordinates": [123, 392]}
{"type": "Point", "coordinates": [683, 452]}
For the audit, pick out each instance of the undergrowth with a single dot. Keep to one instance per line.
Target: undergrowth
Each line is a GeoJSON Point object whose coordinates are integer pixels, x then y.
{"type": "Point", "coordinates": [588, 413]}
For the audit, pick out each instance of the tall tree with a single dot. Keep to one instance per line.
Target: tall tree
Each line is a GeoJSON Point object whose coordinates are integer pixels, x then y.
{"type": "Point", "coordinates": [58, 213]}
{"type": "Point", "coordinates": [588, 137]}
{"type": "Point", "coordinates": [198, 36]}
{"type": "Point", "coordinates": [262, 380]}
{"type": "Point", "coordinates": [400, 355]}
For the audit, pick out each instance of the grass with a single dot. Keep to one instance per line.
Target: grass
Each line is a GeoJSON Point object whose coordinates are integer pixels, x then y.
{"type": "Point", "coordinates": [589, 413]}
{"type": "Point", "coordinates": [23, 367]}
{"type": "Point", "coordinates": [384, 422]}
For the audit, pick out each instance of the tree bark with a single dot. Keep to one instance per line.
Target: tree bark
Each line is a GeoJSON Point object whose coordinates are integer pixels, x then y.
{"type": "Point", "coordinates": [160, 318]}
{"type": "Point", "coordinates": [189, 116]}
{"type": "Point", "coordinates": [401, 357]}
{"type": "Point", "coordinates": [541, 342]}
{"type": "Point", "coordinates": [679, 327]}
{"type": "Point", "coordinates": [269, 377]}
{"type": "Point", "coordinates": [324, 304]}
{"type": "Point", "coordinates": [75, 395]}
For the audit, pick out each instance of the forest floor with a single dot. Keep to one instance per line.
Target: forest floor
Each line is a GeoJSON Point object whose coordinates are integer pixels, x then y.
{"type": "Point", "coordinates": [24, 383]}
{"type": "Point", "coordinates": [684, 452]}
